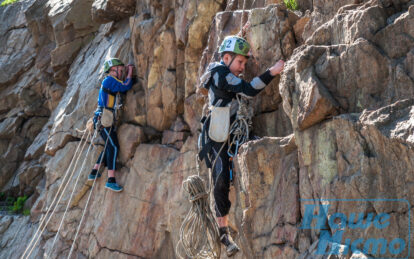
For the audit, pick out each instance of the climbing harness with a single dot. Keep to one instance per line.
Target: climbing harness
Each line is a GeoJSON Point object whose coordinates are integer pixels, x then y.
{"type": "Point", "coordinates": [109, 115]}
{"type": "Point", "coordinates": [238, 133]}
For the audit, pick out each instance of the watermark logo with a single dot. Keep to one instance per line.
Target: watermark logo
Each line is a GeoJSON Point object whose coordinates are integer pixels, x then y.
{"type": "Point", "coordinates": [379, 234]}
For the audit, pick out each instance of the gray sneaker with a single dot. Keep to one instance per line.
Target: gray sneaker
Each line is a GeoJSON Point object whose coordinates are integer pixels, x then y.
{"type": "Point", "coordinates": [227, 240]}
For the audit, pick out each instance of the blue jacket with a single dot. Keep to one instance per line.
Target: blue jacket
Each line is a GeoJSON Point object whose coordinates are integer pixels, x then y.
{"type": "Point", "coordinates": [107, 94]}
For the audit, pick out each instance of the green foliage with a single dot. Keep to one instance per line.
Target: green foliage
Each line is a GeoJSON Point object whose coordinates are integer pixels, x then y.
{"type": "Point", "coordinates": [291, 4]}
{"type": "Point", "coordinates": [2, 196]}
{"type": "Point", "coordinates": [18, 204]}
{"type": "Point", "coordinates": [6, 2]}
{"type": "Point", "coordinates": [26, 212]}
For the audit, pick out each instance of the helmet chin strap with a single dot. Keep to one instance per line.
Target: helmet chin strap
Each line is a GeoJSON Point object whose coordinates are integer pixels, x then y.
{"type": "Point", "coordinates": [232, 59]}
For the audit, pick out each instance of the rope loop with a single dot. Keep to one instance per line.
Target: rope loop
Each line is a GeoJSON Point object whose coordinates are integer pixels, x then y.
{"type": "Point", "coordinates": [198, 196]}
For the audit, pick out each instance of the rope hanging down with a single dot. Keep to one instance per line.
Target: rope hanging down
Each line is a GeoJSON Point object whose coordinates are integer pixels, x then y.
{"type": "Point", "coordinates": [71, 196]}
{"type": "Point", "coordinates": [89, 198]}
{"type": "Point", "coordinates": [59, 194]}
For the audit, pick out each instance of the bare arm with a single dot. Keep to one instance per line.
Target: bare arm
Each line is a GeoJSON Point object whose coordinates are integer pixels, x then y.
{"type": "Point", "coordinates": [277, 68]}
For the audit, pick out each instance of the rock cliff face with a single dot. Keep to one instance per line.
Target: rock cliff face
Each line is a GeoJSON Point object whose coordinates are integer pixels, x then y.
{"type": "Point", "coordinates": [336, 127]}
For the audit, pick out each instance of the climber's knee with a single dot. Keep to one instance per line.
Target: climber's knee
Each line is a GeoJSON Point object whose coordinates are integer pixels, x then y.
{"type": "Point", "coordinates": [221, 197]}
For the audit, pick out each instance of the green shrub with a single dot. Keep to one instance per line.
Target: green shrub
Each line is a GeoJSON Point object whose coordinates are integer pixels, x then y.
{"type": "Point", "coordinates": [291, 4]}
{"type": "Point", "coordinates": [2, 196]}
{"type": "Point", "coordinates": [18, 204]}
{"type": "Point", "coordinates": [6, 2]}
{"type": "Point", "coordinates": [26, 212]}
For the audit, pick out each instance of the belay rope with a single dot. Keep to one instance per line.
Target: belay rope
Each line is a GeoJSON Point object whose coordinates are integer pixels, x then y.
{"type": "Point", "coordinates": [89, 197]}
{"type": "Point", "coordinates": [65, 182]}
{"type": "Point", "coordinates": [42, 224]}
{"type": "Point", "coordinates": [59, 194]}
{"type": "Point", "coordinates": [199, 235]}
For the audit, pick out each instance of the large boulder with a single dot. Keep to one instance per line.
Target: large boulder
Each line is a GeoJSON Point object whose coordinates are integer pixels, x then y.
{"type": "Point", "coordinates": [267, 191]}
{"type": "Point", "coordinates": [104, 11]}
{"type": "Point", "coordinates": [73, 28]}
{"type": "Point", "coordinates": [353, 158]}
{"type": "Point", "coordinates": [322, 80]}
{"type": "Point", "coordinates": [16, 45]}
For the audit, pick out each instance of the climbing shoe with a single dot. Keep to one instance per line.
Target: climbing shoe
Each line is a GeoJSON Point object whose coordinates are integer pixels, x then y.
{"type": "Point", "coordinates": [227, 240]}
{"type": "Point", "coordinates": [94, 174]}
{"type": "Point", "coordinates": [113, 187]}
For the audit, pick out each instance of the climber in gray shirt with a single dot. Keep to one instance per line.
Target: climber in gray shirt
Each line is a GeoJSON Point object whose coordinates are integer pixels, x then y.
{"type": "Point", "coordinates": [222, 83]}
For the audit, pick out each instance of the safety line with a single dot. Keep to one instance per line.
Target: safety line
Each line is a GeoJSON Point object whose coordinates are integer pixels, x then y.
{"type": "Point", "coordinates": [57, 203]}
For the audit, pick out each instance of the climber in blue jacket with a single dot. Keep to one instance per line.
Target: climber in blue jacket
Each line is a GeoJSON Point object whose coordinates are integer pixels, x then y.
{"type": "Point", "coordinates": [104, 118]}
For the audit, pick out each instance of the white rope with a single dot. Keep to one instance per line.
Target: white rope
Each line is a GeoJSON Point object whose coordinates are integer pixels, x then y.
{"type": "Point", "coordinates": [71, 195]}
{"type": "Point", "coordinates": [61, 196]}
{"type": "Point", "coordinates": [89, 197]}
{"type": "Point", "coordinates": [241, 19]}
{"type": "Point", "coordinates": [56, 195]}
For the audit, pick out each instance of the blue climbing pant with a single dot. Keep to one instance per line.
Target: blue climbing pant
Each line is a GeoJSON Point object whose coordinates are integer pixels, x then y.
{"type": "Point", "coordinates": [112, 147]}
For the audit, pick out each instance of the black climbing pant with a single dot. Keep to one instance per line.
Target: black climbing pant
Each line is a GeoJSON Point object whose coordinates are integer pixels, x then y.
{"type": "Point", "coordinates": [111, 151]}
{"type": "Point", "coordinates": [221, 178]}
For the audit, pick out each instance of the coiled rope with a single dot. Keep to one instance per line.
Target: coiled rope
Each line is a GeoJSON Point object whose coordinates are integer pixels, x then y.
{"type": "Point", "coordinates": [199, 235]}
